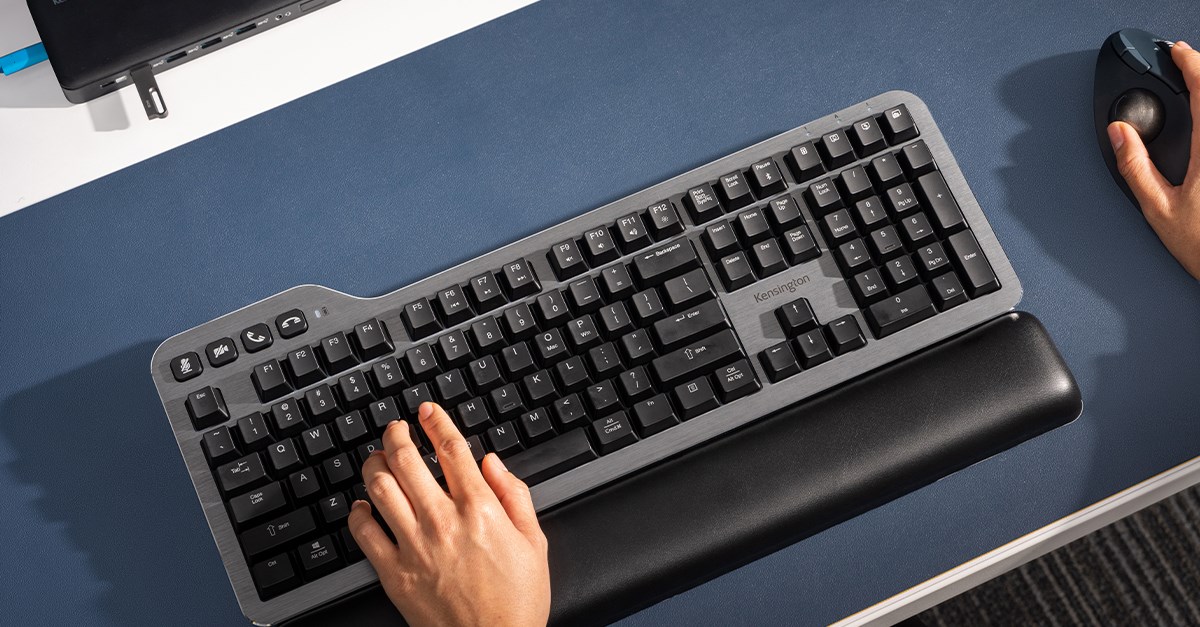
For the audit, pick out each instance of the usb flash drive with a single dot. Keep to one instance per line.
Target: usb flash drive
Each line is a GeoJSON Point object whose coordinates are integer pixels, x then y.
{"type": "Point", "coordinates": [21, 59]}
{"type": "Point", "coordinates": [148, 92]}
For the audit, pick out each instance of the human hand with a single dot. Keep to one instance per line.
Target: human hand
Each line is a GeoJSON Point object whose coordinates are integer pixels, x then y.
{"type": "Point", "coordinates": [1173, 212]}
{"type": "Point", "coordinates": [473, 556]}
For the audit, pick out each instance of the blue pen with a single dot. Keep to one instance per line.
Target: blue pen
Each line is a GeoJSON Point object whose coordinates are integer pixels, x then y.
{"type": "Point", "coordinates": [21, 59]}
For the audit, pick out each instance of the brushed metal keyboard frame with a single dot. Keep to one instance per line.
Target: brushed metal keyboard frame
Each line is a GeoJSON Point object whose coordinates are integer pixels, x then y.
{"type": "Point", "coordinates": [819, 280]}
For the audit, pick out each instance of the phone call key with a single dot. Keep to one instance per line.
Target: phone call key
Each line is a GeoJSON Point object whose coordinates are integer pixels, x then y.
{"type": "Point", "coordinates": [256, 338]}
{"type": "Point", "coordinates": [291, 323]}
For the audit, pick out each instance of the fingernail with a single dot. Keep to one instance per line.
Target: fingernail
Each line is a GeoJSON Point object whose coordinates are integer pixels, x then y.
{"type": "Point", "coordinates": [359, 504]}
{"type": "Point", "coordinates": [1116, 136]}
{"type": "Point", "coordinates": [425, 410]}
{"type": "Point", "coordinates": [500, 462]}
{"type": "Point", "coordinates": [1183, 44]}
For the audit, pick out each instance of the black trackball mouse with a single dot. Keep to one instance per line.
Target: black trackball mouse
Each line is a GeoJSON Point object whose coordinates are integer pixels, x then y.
{"type": "Point", "coordinates": [1137, 82]}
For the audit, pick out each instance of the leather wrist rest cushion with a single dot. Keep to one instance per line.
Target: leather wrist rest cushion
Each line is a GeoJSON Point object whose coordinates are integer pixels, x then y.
{"type": "Point", "coordinates": [724, 504]}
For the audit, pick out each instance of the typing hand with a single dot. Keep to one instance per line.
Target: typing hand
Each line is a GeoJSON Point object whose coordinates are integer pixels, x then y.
{"type": "Point", "coordinates": [473, 556]}
{"type": "Point", "coordinates": [1173, 212]}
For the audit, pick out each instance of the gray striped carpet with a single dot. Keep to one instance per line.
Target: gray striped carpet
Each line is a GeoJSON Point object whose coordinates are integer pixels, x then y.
{"type": "Point", "coordinates": [1141, 570]}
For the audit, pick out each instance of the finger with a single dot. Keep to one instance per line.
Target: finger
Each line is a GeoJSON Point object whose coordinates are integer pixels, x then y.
{"type": "Point", "coordinates": [453, 452]}
{"type": "Point", "coordinates": [1188, 61]}
{"type": "Point", "coordinates": [514, 497]}
{"type": "Point", "coordinates": [369, 536]}
{"type": "Point", "coordinates": [387, 496]}
{"type": "Point", "coordinates": [409, 468]}
{"type": "Point", "coordinates": [1134, 164]}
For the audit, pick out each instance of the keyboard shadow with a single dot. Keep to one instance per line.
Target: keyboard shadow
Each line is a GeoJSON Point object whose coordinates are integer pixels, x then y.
{"type": "Point", "coordinates": [97, 446]}
{"type": "Point", "coordinates": [1057, 186]}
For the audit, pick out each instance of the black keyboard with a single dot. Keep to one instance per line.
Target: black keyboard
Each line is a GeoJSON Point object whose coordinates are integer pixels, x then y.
{"type": "Point", "coordinates": [591, 349]}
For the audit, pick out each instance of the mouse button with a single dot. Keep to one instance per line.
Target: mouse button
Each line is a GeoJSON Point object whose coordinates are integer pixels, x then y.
{"type": "Point", "coordinates": [1166, 70]}
{"type": "Point", "coordinates": [1135, 60]}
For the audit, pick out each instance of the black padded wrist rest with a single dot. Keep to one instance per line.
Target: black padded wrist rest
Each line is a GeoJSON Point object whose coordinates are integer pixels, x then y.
{"type": "Point", "coordinates": [688, 520]}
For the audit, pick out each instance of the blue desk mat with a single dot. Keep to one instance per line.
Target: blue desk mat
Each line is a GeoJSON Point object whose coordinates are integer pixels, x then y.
{"type": "Point", "coordinates": [510, 128]}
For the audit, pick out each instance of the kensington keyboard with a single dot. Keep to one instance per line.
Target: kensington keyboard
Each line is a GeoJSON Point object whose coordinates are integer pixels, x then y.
{"type": "Point", "coordinates": [589, 350]}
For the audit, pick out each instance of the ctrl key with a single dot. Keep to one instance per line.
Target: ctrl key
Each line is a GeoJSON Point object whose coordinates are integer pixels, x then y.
{"type": "Point", "coordinates": [274, 576]}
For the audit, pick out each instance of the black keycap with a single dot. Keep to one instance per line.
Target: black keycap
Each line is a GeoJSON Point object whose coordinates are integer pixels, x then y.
{"type": "Point", "coordinates": [291, 323]}
{"type": "Point", "coordinates": [477, 448]}
{"type": "Point", "coordinates": [274, 576]}
{"type": "Point", "coordinates": [845, 335]}
{"type": "Point", "coordinates": [435, 467]}
{"type": "Point", "coordinates": [351, 428]}
{"type": "Point", "coordinates": [453, 306]}
{"type": "Point", "coordinates": [933, 259]}
{"type": "Point", "coordinates": [702, 203]}
{"type": "Point", "coordinates": [886, 243]}
{"type": "Point", "coordinates": [615, 320]}
{"type": "Point", "coordinates": [319, 557]}
{"type": "Point", "coordinates": [901, 199]}
{"type": "Point", "coordinates": [253, 431]}
{"type": "Point", "coordinates": [635, 385]}
{"type": "Point", "coordinates": [768, 258]}
{"type": "Point", "coordinates": [256, 338]}
{"type": "Point", "coordinates": [613, 432]}
{"type": "Point", "coordinates": [486, 335]}
{"type": "Point", "coordinates": [519, 322]}
{"type": "Point", "coordinates": [364, 451]}
{"type": "Point", "coordinates": [317, 441]}
{"type": "Point", "coordinates": [720, 239]}
{"type": "Point", "coordinates": [765, 178]}
{"type": "Point", "coordinates": [413, 397]}
{"type": "Point", "coordinates": [973, 268]}
{"type": "Point", "coordinates": [339, 470]}
{"type": "Point", "coordinates": [632, 233]}
{"type": "Point", "coordinates": [811, 348]}
{"type": "Point", "coordinates": [383, 412]}
{"type": "Point", "coordinates": [420, 319]}
{"type": "Point", "coordinates": [916, 229]}
{"type": "Point", "coordinates": [506, 401]}
{"type": "Point", "coordinates": [333, 508]}
{"type": "Point", "coordinates": [665, 261]}
{"type": "Point", "coordinates": [336, 353]}
{"type": "Point", "coordinates": [901, 272]}
{"type": "Point", "coordinates": [568, 413]}
{"type": "Point", "coordinates": [517, 360]}
{"type": "Point", "coordinates": [898, 125]}
{"type": "Point", "coordinates": [705, 354]}
{"type": "Point", "coordinates": [567, 259]}
{"type": "Point", "coordinates": [616, 281]}
{"type": "Point", "coordinates": [947, 291]}
{"type": "Point", "coordinates": [604, 360]}
{"type": "Point", "coordinates": [599, 246]}
{"type": "Point", "coordinates": [664, 220]}
{"type": "Point", "coordinates": [186, 366]}
{"type": "Point", "coordinates": [257, 503]}
{"type": "Point", "coordinates": [839, 227]}
{"type": "Point", "coordinates": [702, 319]}
{"type": "Point", "coordinates": [647, 306]}
{"type": "Point", "coordinates": [218, 445]}
{"type": "Point", "coordinates": [221, 352]}
{"type": "Point", "coordinates": [867, 136]}
{"type": "Point", "coordinates": [420, 362]}
{"type": "Point", "coordinates": [206, 406]}
{"type": "Point", "coordinates": [784, 213]}
{"type": "Point", "coordinates": [539, 387]}
{"type": "Point", "coordinates": [485, 292]}
{"type": "Point", "coordinates": [321, 403]}
{"type": "Point", "coordinates": [868, 286]}
{"type": "Point", "coordinates": [473, 416]}
{"type": "Point", "coordinates": [899, 311]}
{"type": "Point", "coordinates": [585, 295]}
{"type": "Point", "coordinates": [371, 338]}
{"type": "Point", "coordinates": [241, 474]}
{"type": "Point", "coordinates": [796, 317]}
{"type": "Point", "coordinates": [736, 380]}
{"type": "Point", "coordinates": [947, 217]}
{"type": "Point", "coordinates": [484, 373]}
{"type": "Point", "coordinates": [452, 387]}
{"type": "Point", "coordinates": [552, 308]}
{"type": "Point", "coordinates": [654, 415]}
{"type": "Point", "coordinates": [804, 161]}
{"type": "Point", "coordinates": [799, 245]}
{"type": "Point", "coordinates": [304, 484]}
{"type": "Point", "coordinates": [284, 456]}
{"type": "Point", "coordinates": [687, 290]}
{"type": "Point", "coordinates": [917, 159]}
{"type": "Point", "coordinates": [572, 374]}
{"type": "Point", "coordinates": [695, 397]}
{"type": "Point", "coordinates": [885, 170]}
{"type": "Point", "coordinates": [752, 226]}
{"type": "Point", "coordinates": [779, 361]}
{"type": "Point", "coordinates": [870, 213]}
{"type": "Point", "coordinates": [823, 197]}
{"type": "Point", "coordinates": [560, 454]}
{"type": "Point", "coordinates": [303, 367]}
{"type": "Point", "coordinates": [454, 349]}
{"type": "Point", "coordinates": [835, 149]}
{"type": "Point", "coordinates": [636, 347]}
{"type": "Point", "coordinates": [603, 398]}
{"type": "Point", "coordinates": [503, 439]}
{"type": "Point", "coordinates": [520, 279]}
{"type": "Point", "coordinates": [855, 184]}
{"type": "Point", "coordinates": [734, 190]}
{"type": "Point", "coordinates": [536, 427]}
{"type": "Point", "coordinates": [354, 390]}
{"type": "Point", "coordinates": [735, 271]}
{"type": "Point", "coordinates": [853, 256]}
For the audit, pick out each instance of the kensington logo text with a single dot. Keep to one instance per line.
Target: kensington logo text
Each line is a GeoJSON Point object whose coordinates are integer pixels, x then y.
{"type": "Point", "coordinates": [789, 287]}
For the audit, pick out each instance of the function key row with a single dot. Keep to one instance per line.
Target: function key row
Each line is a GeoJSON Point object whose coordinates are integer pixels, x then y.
{"type": "Point", "coordinates": [459, 303]}
{"type": "Point", "coordinates": [336, 353]}
{"type": "Point", "coordinates": [224, 351]}
{"type": "Point", "coordinates": [630, 233]}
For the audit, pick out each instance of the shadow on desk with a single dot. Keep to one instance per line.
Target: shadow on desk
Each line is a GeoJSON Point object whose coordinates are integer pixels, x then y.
{"type": "Point", "coordinates": [96, 445]}
{"type": "Point", "coordinates": [1079, 217]}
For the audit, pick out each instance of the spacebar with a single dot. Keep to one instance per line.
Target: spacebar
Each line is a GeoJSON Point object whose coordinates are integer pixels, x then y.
{"type": "Point", "coordinates": [555, 457]}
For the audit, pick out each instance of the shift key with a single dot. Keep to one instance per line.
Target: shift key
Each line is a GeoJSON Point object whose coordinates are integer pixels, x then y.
{"type": "Point", "coordinates": [700, 356]}
{"type": "Point", "coordinates": [282, 530]}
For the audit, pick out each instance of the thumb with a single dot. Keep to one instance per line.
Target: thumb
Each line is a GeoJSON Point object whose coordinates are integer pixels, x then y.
{"type": "Point", "coordinates": [514, 497]}
{"type": "Point", "coordinates": [1133, 162]}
